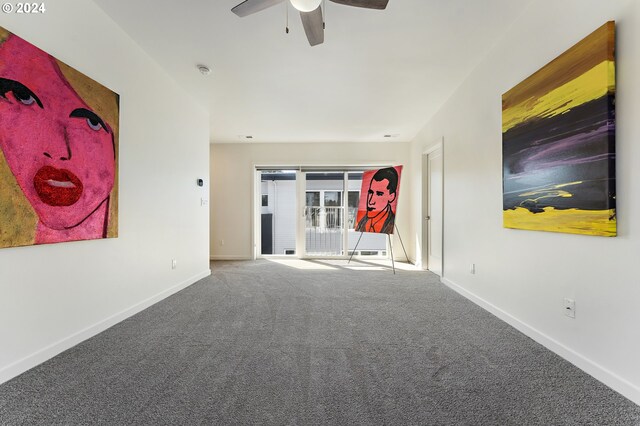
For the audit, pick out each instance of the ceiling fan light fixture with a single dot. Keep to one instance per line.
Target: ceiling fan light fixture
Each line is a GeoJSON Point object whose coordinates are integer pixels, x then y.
{"type": "Point", "coordinates": [306, 5]}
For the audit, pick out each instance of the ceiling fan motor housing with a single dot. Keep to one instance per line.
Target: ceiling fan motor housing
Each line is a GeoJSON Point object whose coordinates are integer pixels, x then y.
{"type": "Point", "coordinates": [310, 12]}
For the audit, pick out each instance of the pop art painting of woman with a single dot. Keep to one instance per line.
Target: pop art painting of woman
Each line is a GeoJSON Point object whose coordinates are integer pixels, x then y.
{"type": "Point", "coordinates": [58, 150]}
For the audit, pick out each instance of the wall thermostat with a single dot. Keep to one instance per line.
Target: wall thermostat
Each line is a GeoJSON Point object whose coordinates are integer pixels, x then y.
{"type": "Point", "coordinates": [200, 182]}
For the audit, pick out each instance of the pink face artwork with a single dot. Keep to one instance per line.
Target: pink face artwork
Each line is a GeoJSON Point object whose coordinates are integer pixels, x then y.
{"type": "Point", "coordinates": [59, 150]}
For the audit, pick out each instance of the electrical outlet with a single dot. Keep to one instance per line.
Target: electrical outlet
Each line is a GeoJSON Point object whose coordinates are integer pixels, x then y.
{"type": "Point", "coordinates": [570, 308]}
{"type": "Point", "coordinates": [472, 268]}
{"type": "Point", "coordinates": [174, 264]}
{"type": "Point", "coordinates": [221, 242]}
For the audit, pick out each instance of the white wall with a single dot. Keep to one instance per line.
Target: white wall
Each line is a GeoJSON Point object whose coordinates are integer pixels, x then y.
{"type": "Point", "coordinates": [523, 276]}
{"type": "Point", "coordinates": [232, 178]}
{"type": "Point", "coordinates": [53, 296]}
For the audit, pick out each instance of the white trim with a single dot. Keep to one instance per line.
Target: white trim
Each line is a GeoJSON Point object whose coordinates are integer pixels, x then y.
{"type": "Point", "coordinates": [301, 219]}
{"type": "Point", "coordinates": [30, 361]}
{"type": "Point", "coordinates": [438, 143]}
{"type": "Point", "coordinates": [230, 257]}
{"type": "Point", "coordinates": [345, 212]}
{"type": "Point", "coordinates": [609, 378]}
{"type": "Point", "coordinates": [256, 224]}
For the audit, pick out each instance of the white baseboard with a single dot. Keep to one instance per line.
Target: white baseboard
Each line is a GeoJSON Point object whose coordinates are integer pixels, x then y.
{"type": "Point", "coordinates": [14, 369]}
{"type": "Point", "coordinates": [615, 382]}
{"type": "Point", "coordinates": [229, 257]}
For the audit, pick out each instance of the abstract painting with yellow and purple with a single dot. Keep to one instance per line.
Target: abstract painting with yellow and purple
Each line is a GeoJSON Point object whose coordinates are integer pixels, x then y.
{"type": "Point", "coordinates": [558, 142]}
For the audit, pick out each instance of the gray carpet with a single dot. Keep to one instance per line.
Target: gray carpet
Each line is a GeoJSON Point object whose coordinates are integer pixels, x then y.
{"type": "Point", "coordinates": [264, 343]}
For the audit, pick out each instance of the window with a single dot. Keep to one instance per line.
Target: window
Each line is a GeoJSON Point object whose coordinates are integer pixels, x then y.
{"type": "Point", "coordinates": [313, 214]}
{"type": "Point", "coordinates": [313, 198]}
{"type": "Point", "coordinates": [352, 207]}
{"type": "Point", "coordinates": [354, 199]}
{"type": "Point", "coordinates": [265, 201]}
{"type": "Point", "coordinates": [332, 198]}
{"type": "Point", "coordinates": [333, 210]}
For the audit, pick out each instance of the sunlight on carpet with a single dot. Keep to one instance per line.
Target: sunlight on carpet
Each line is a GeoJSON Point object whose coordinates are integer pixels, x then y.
{"type": "Point", "coordinates": [301, 264]}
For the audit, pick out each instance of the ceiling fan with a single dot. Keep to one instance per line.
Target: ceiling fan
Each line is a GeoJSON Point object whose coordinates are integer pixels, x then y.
{"type": "Point", "coordinates": [310, 12]}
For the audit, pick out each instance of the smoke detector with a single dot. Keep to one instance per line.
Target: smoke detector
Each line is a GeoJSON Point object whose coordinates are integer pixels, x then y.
{"type": "Point", "coordinates": [204, 70]}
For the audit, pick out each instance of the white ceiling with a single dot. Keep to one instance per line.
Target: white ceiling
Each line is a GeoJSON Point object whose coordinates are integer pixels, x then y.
{"type": "Point", "coordinates": [377, 73]}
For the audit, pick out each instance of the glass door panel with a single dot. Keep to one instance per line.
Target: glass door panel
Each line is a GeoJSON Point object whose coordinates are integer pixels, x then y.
{"type": "Point", "coordinates": [324, 213]}
{"type": "Point", "coordinates": [277, 212]}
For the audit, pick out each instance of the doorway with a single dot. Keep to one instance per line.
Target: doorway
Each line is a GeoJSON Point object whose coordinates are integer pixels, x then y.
{"type": "Point", "coordinates": [432, 208]}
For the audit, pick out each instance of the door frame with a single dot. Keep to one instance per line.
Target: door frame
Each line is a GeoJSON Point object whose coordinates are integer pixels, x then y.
{"type": "Point", "coordinates": [256, 206]}
{"type": "Point", "coordinates": [430, 148]}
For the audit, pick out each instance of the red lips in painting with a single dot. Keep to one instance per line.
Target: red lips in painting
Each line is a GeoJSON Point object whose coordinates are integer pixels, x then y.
{"type": "Point", "coordinates": [57, 187]}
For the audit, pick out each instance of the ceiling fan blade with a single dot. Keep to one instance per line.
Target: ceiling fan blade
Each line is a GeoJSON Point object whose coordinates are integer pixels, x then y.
{"type": "Point", "coordinates": [367, 4]}
{"type": "Point", "coordinates": [313, 26]}
{"type": "Point", "coordinates": [248, 7]}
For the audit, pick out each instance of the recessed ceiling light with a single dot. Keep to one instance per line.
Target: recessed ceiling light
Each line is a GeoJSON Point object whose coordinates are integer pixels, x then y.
{"type": "Point", "coordinates": [204, 70]}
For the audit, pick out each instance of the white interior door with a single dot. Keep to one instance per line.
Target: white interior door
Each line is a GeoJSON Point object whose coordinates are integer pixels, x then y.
{"type": "Point", "coordinates": [432, 210]}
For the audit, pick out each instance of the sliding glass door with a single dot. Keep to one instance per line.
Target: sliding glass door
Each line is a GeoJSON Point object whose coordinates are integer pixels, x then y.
{"type": "Point", "coordinates": [311, 213]}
